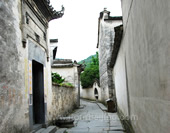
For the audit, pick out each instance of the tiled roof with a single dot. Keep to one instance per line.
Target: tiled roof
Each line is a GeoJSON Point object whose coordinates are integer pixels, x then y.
{"type": "Point", "coordinates": [116, 45]}
{"type": "Point", "coordinates": [47, 9]}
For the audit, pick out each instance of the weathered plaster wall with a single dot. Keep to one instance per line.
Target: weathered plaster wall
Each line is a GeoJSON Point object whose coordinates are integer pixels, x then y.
{"type": "Point", "coordinates": [106, 39]}
{"type": "Point", "coordinates": [16, 65]}
{"type": "Point", "coordinates": [121, 83]}
{"type": "Point", "coordinates": [62, 102]}
{"type": "Point", "coordinates": [145, 47]}
{"type": "Point", "coordinates": [71, 75]}
{"type": "Point", "coordinates": [48, 83]}
{"type": "Point", "coordinates": [14, 116]}
{"type": "Point", "coordinates": [88, 93]}
{"type": "Point", "coordinates": [37, 50]}
{"type": "Point", "coordinates": [126, 9]}
{"type": "Point", "coordinates": [33, 26]}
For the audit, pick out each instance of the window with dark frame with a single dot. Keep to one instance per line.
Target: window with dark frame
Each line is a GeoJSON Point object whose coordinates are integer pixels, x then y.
{"type": "Point", "coordinates": [27, 18]}
{"type": "Point", "coordinates": [37, 37]}
{"type": "Point", "coordinates": [45, 36]}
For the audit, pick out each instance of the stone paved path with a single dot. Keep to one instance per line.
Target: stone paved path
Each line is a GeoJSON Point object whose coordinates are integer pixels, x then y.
{"type": "Point", "coordinates": [92, 119]}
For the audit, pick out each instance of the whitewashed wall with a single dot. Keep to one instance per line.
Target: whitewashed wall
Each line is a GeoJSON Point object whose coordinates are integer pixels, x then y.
{"type": "Point", "coordinates": [89, 93]}
{"type": "Point", "coordinates": [145, 79]}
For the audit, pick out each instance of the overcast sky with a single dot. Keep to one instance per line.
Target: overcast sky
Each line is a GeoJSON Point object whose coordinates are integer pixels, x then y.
{"type": "Point", "coordinates": [77, 30]}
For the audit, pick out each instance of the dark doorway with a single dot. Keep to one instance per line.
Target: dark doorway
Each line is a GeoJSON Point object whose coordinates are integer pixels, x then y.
{"type": "Point", "coordinates": [96, 93]}
{"type": "Point", "coordinates": [38, 93]}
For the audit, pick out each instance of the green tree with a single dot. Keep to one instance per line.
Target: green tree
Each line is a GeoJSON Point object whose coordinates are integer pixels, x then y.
{"type": "Point", "coordinates": [56, 78]}
{"type": "Point", "coordinates": [91, 73]}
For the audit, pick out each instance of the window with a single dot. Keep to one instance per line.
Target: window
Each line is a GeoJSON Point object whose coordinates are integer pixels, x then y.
{"type": "Point", "coordinates": [37, 37]}
{"type": "Point", "coordinates": [27, 18]}
{"type": "Point", "coordinates": [45, 36]}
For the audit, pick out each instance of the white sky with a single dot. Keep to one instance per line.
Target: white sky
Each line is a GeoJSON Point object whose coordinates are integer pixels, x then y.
{"type": "Point", "coordinates": [77, 30]}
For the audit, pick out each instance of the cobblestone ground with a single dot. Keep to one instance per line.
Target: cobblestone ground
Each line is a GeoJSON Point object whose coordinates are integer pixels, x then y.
{"type": "Point", "coordinates": [92, 119]}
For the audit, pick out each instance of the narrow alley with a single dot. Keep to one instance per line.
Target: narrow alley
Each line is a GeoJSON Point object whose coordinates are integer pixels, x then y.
{"type": "Point", "coordinates": [65, 65]}
{"type": "Point", "coordinates": [93, 118]}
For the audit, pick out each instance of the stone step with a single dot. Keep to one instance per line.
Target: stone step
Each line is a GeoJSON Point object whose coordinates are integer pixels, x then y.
{"type": "Point", "coordinates": [61, 130]}
{"type": "Point", "coordinates": [40, 130]}
{"type": "Point", "coordinates": [50, 129]}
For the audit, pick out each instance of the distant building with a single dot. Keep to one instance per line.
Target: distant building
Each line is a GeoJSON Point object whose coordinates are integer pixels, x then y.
{"type": "Point", "coordinates": [25, 85]}
{"type": "Point", "coordinates": [71, 72]}
{"type": "Point", "coordinates": [67, 69]}
{"type": "Point", "coordinates": [53, 49]}
{"type": "Point", "coordinates": [106, 34]}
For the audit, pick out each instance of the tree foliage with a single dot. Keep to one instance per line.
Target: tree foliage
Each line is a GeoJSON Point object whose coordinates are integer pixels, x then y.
{"type": "Point", "coordinates": [56, 78]}
{"type": "Point", "coordinates": [91, 72]}
{"type": "Point", "coordinates": [88, 60]}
